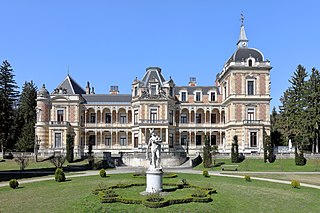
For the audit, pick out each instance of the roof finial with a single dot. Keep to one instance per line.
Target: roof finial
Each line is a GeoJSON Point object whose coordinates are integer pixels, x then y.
{"type": "Point", "coordinates": [68, 69]}
{"type": "Point", "coordinates": [242, 18]}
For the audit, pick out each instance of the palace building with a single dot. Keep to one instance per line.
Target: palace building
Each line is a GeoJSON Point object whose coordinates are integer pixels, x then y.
{"type": "Point", "coordinates": [183, 116]}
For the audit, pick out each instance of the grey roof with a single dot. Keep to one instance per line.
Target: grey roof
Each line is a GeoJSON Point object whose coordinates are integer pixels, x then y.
{"type": "Point", "coordinates": [191, 89]}
{"type": "Point", "coordinates": [108, 98]}
{"type": "Point", "coordinates": [242, 36]}
{"type": "Point", "coordinates": [153, 74]}
{"type": "Point", "coordinates": [71, 86]}
{"type": "Point", "coordinates": [241, 54]}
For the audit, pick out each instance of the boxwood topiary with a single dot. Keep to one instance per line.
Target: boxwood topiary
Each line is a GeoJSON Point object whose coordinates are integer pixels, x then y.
{"type": "Point", "coordinates": [59, 175]}
{"type": "Point", "coordinates": [103, 173]}
{"type": "Point", "coordinates": [13, 183]}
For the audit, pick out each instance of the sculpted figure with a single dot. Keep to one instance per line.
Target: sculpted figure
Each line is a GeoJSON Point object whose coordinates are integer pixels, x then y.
{"type": "Point", "coordinates": [155, 145]}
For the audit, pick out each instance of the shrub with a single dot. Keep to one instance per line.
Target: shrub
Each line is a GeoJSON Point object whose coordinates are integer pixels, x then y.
{"type": "Point", "coordinates": [102, 173]}
{"type": "Point", "coordinates": [58, 161]}
{"type": "Point", "coordinates": [59, 175]}
{"type": "Point", "coordinates": [247, 178]}
{"type": "Point", "coordinates": [207, 157]}
{"type": "Point", "coordinates": [295, 183]}
{"type": "Point", "coordinates": [235, 150]}
{"type": "Point", "coordinates": [170, 175]}
{"type": "Point", "coordinates": [300, 160]}
{"type": "Point", "coordinates": [184, 181]}
{"type": "Point", "coordinates": [205, 173]}
{"type": "Point", "coordinates": [22, 161]}
{"type": "Point", "coordinates": [154, 197]}
{"type": "Point", "coordinates": [13, 183]}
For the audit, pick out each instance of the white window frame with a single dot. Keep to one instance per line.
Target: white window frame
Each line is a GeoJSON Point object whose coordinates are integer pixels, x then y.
{"type": "Point", "coordinates": [123, 118]}
{"type": "Point", "coordinates": [108, 141]}
{"type": "Point", "coordinates": [123, 140]}
{"type": "Point", "coordinates": [251, 109]}
{"type": "Point", "coordinates": [215, 95]}
{"type": "Point", "coordinates": [195, 95]}
{"type": "Point", "coordinates": [254, 85]}
{"type": "Point", "coordinates": [180, 93]}
{"type": "Point", "coordinates": [184, 115]}
{"type": "Point", "coordinates": [257, 139]}
{"type": "Point", "coordinates": [153, 116]}
{"type": "Point", "coordinates": [156, 89]}
{"type": "Point", "coordinates": [252, 60]}
{"type": "Point", "coordinates": [63, 114]}
{"type": "Point", "coordinates": [61, 139]}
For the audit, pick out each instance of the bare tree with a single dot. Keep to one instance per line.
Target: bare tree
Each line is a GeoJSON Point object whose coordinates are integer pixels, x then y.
{"type": "Point", "coordinates": [22, 160]}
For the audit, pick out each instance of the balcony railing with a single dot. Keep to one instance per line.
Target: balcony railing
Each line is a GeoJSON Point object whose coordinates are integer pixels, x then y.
{"type": "Point", "coordinates": [251, 121]}
{"type": "Point", "coordinates": [59, 123]}
{"type": "Point", "coordinates": [153, 122]}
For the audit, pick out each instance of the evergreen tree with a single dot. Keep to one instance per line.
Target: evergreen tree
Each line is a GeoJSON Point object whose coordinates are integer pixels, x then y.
{"type": "Point", "coordinates": [277, 129]}
{"type": "Point", "coordinates": [69, 147]}
{"type": "Point", "coordinates": [294, 104]}
{"type": "Point", "coordinates": [8, 99]}
{"type": "Point", "coordinates": [235, 150]}
{"type": "Point", "coordinates": [207, 158]}
{"type": "Point", "coordinates": [26, 117]}
{"type": "Point", "coordinates": [313, 108]}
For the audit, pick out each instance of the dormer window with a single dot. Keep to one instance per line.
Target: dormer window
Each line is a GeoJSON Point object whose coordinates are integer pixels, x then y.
{"type": "Point", "coordinates": [250, 63]}
{"type": "Point", "coordinates": [198, 96]}
{"type": "Point", "coordinates": [183, 96]}
{"type": "Point", "coordinates": [212, 96]}
{"type": "Point", "coordinates": [135, 91]}
{"type": "Point", "coordinates": [153, 89]}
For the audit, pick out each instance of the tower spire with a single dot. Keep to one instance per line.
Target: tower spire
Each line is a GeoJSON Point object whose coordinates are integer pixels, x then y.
{"type": "Point", "coordinates": [243, 40]}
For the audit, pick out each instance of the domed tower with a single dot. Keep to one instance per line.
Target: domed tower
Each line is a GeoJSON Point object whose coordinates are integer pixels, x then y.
{"type": "Point", "coordinates": [43, 109]}
{"type": "Point", "coordinates": [245, 87]}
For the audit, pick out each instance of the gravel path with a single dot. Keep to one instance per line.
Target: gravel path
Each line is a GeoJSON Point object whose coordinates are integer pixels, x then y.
{"type": "Point", "coordinates": [119, 170]}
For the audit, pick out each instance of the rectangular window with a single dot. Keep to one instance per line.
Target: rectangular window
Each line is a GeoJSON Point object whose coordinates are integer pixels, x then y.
{"type": "Point", "coordinates": [60, 115]}
{"type": "Point", "coordinates": [123, 140]}
{"type": "Point", "coordinates": [108, 118]}
{"type": "Point", "coordinates": [171, 118]}
{"type": "Point", "coordinates": [184, 118]}
{"type": "Point", "coordinates": [250, 87]}
{"type": "Point", "coordinates": [153, 89]}
{"type": "Point", "coordinates": [253, 139]}
{"type": "Point", "coordinates": [225, 92]}
{"type": "Point", "coordinates": [183, 96]}
{"type": "Point", "coordinates": [57, 140]}
{"type": "Point", "coordinates": [153, 115]}
{"type": "Point", "coordinates": [198, 140]}
{"type": "Point", "coordinates": [171, 91]}
{"type": "Point", "coordinates": [213, 140]}
{"type": "Point", "coordinates": [198, 118]}
{"type": "Point", "coordinates": [123, 118]}
{"type": "Point", "coordinates": [135, 118]}
{"type": "Point", "coordinates": [250, 115]}
{"type": "Point", "coordinates": [198, 96]}
{"type": "Point", "coordinates": [92, 117]}
{"type": "Point", "coordinates": [108, 141]}
{"type": "Point", "coordinates": [184, 139]}
{"type": "Point", "coordinates": [135, 142]}
{"type": "Point", "coordinates": [213, 118]}
{"type": "Point", "coordinates": [213, 96]}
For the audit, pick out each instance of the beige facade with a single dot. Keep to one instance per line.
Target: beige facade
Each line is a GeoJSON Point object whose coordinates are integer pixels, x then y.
{"type": "Point", "coordinates": [183, 116]}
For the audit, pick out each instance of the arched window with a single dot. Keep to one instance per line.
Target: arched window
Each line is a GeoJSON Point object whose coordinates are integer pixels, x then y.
{"type": "Point", "coordinates": [250, 63]}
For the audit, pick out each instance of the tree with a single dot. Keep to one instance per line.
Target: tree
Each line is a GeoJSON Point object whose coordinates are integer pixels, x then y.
{"type": "Point", "coordinates": [70, 146]}
{"type": "Point", "coordinates": [8, 99]}
{"type": "Point", "coordinates": [26, 117]}
{"type": "Point", "coordinates": [294, 105]}
{"type": "Point", "coordinates": [207, 158]}
{"type": "Point", "coordinates": [268, 150]}
{"type": "Point", "coordinates": [235, 150]}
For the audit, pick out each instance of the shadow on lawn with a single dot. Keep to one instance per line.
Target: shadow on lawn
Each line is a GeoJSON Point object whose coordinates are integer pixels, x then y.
{"type": "Point", "coordinates": [40, 172]}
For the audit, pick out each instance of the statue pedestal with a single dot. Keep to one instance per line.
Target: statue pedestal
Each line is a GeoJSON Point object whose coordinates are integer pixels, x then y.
{"type": "Point", "coordinates": [154, 180]}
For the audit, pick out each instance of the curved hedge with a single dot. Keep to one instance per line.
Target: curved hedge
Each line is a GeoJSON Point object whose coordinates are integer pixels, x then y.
{"type": "Point", "coordinates": [104, 195]}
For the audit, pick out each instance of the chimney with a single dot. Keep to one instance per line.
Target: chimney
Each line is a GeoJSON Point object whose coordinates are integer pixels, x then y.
{"type": "Point", "coordinates": [114, 90]}
{"type": "Point", "coordinates": [92, 90]}
{"type": "Point", "coordinates": [193, 82]}
{"type": "Point", "coordinates": [88, 88]}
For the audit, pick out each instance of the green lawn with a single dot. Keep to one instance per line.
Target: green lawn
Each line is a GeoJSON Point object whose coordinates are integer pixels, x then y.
{"type": "Point", "coordinates": [280, 165]}
{"type": "Point", "coordinates": [7, 165]}
{"type": "Point", "coordinates": [234, 195]}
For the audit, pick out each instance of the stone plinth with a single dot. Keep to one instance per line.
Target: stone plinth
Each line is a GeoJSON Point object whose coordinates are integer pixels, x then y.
{"type": "Point", "coordinates": [154, 180]}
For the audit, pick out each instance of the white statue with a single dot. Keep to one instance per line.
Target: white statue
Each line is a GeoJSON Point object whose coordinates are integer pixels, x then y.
{"type": "Point", "coordinates": [155, 144]}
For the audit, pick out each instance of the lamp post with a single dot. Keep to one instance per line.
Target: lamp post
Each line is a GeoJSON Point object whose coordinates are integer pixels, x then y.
{"type": "Point", "coordinates": [36, 147]}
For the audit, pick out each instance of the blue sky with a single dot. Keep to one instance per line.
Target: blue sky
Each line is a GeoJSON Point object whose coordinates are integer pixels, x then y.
{"type": "Point", "coordinates": [112, 42]}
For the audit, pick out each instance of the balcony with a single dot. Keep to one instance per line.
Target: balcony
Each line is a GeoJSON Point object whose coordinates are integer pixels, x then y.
{"type": "Point", "coordinates": [59, 123]}
{"type": "Point", "coordinates": [154, 122]}
{"type": "Point", "coordinates": [252, 122]}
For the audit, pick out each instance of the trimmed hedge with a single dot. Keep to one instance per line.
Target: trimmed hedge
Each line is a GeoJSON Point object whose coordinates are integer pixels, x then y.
{"type": "Point", "coordinates": [59, 175]}
{"type": "Point", "coordinates": [107, 195]}
{"type": "Point", "coordinates": [103, 173]}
